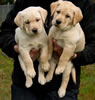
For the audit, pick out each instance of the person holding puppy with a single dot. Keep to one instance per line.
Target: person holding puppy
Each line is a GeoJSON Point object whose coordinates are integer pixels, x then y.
{"type": "Point", "coordinates": [49, 90]}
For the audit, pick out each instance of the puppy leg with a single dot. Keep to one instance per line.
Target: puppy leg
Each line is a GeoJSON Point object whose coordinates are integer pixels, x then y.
{"type": "Point", "coordinates": [49, 75]}
{"type": "Point", "coordinates": [28, 78]}
{"type": "Point", "coordinates": [41, 77]}
{"type": "Point", "coordinates": [50, 47]}
{"type": "Point", "coordinates": [22, 64]}
{"type": "Point", "coordinates": [28, 63]}
{"type": "Point", "coordinates": [65, 57]}
{"type": "Point", "coordinates": [73, 72]}
{"type": "Point", "coordinates": [65, 80]}
{"type": "Point", "coordinates": [44, 59]}
{"type": "Point", "coordinates": [29, 81]}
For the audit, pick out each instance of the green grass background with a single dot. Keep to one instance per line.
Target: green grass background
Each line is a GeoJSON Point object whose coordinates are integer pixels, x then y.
{"type": "Point", "coordinates": [87, 87]}
{"type": "Point", "coordinates": [5, 76]}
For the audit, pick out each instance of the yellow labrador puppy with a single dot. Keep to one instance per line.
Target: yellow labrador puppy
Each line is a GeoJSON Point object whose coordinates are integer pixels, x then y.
{"type": "Point", "coordinates": [69, 35]}
{"type": "Point", "coordinates": [31, 34]}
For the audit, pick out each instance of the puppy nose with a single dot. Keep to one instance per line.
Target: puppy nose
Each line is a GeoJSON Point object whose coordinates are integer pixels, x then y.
{"type": "Point", "coordinates": [58, 22]}
{"type": "Point", "coordinates": [34, 30]}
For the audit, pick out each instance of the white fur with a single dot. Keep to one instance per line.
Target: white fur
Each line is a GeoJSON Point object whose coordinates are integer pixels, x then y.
{"type": "Point", "coordinates": [27, 20]}
{"type": "Point", "coordinates": [69, 36]}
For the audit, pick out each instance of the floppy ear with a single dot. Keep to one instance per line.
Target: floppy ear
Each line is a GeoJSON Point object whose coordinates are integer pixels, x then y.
{"type": "Point", "coordinates": [77, 15]}
{"type": "Point", "coordinates": [43, 14]}
{"type": "Point", "coordinates": [19, 19]}
{"type": "Point", "coordinates": [53, 7]}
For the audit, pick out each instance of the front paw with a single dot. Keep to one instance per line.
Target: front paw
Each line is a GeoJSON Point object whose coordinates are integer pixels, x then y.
{"type": "Point", "coordinates": [61, 92]}
{"type": "Point", "coordinates": [42, 80]}
{"type": "Point", "coordinates": [31, 73]}
{"type": "Point", "coordinates": [29, 82]}
{"type": "Point", "coordinates": [59, 70]}
{"type": "Point", "coordinates": [49, 77]}
{"type": "Point", "coordinates": [45, 67]}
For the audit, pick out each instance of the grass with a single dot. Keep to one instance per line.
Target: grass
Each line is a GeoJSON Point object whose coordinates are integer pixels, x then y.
{"type": "Point", "coordinates": [5, 76]}
{"type": "Point", "coordinates": [87, 86]}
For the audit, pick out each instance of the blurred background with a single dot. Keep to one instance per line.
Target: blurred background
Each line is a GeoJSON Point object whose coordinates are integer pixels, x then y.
{"type": "Point", "coordinates": [6, 1]}
{"type": "Point", "coordinates": [5, 7]}
{"type": "Point", "coordinates": [87, 85]}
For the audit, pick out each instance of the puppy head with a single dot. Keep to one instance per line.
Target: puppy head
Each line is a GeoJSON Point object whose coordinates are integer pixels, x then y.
{"type": "Point", "coordinates": [65, 14]}
{"type": "Point", "coordinates": [31, 20]}
{"type": "Point", "coordinates": [54, 5]}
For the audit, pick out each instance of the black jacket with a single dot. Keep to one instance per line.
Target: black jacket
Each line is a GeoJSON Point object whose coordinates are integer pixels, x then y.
{"type": "Point", "coordinates": [85, 57]}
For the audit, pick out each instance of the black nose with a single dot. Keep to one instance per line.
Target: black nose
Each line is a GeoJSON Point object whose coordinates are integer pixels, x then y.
{"type": "Point", "coordinates": [58, 22]}
{"type": "Point", "coordinates": [34, 30]}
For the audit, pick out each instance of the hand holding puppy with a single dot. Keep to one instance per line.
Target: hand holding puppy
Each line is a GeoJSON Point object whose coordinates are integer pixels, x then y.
{"type": "Point", "coordinates": [59, 49]}
{"type": "Point", "coordinates": [34, 53]}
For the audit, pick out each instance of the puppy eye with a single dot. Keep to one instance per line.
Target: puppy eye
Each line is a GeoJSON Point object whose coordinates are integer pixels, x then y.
{"type": "Point", "coordinates": [37, 20]}
{"type": "Point", "coordinates": [58, 12]}
{"type": "Point", "coordinates": [27, 22]}
{"type": "Point", "coordinates": [67, 16]}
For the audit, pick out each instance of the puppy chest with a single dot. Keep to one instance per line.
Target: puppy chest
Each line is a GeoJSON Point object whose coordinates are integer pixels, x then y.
{"type": "Point", "coordinates": [36, 45]}
{"type": "Point", "coordinates": [60, 42]}
{"type": "Point", "coordinates": [63, 39]}
{"type": "Point", "coordinates": [33, 44]}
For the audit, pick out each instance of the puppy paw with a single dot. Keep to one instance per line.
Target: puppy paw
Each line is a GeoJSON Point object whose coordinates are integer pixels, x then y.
{"type": "Point", "coordinates": [45, 67]}
{"type": "Point", "coordinates": [31, 73]}
{"type": "Point", "coordinates": [61, 92]}
{"type": "Point", "coordinates": [42, 80]}
{"type": "Point", "coordinates": [59, 70]}
{"type": "Point", "coordinates": [29, 82]}
{"type": "Point", "coordinates": [49, 78]}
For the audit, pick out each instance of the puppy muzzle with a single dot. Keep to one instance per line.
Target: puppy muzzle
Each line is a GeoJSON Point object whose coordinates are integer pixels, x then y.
{"type": "Point", "coordinates": [35, 30]}
{"type": "Point", "coordinates": [58, 22]}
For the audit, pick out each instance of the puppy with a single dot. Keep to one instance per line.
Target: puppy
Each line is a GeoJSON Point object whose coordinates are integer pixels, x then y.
{"type": "Point", "coordinates": [31, 34]}
{"type": "Point", "coordinates": [69, 35]}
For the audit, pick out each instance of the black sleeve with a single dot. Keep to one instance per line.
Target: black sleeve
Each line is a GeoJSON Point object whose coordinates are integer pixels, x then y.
{"type": "Point", "coordinates": [8, 30]}
{"type": "Point", "coordinates": [87, 56]}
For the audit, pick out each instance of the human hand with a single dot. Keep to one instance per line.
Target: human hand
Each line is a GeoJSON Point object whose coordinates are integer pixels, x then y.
{"type": "Point", "coordinates": [74, 56]}
{"type": "Point", "coordinates": [34, 53]}
{"type": "Point", "coordinates": [16, 48]}
{"type": "Point", "coordinates": [59, 49]}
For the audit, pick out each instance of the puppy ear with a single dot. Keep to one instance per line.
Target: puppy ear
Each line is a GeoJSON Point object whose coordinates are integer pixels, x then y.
{"type": "Point", "coordinates": [43, 14]}
{"type": "Point", "coordinates": [54, 6]}
{"type": "Point", "coordinates": [77, 16]}
{"type": "Point", "coordinates": [19, 19]}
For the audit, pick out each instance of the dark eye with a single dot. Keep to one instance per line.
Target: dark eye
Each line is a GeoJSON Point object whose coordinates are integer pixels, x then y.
{"type": "Point", "coordinates": [67, 16]}
{"type": "Point", "coordinates": [38, 20]}
{"type": "Point", "coordinates": [27, 22]}
{"type": "Point", "coordinates": [58, 12]}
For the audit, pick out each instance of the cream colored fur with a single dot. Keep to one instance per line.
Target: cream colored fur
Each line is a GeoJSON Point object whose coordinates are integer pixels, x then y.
{"type": "Point", "coordinates": [69, 35]}
{"type": "Point", "coordinates": [29, 20]}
